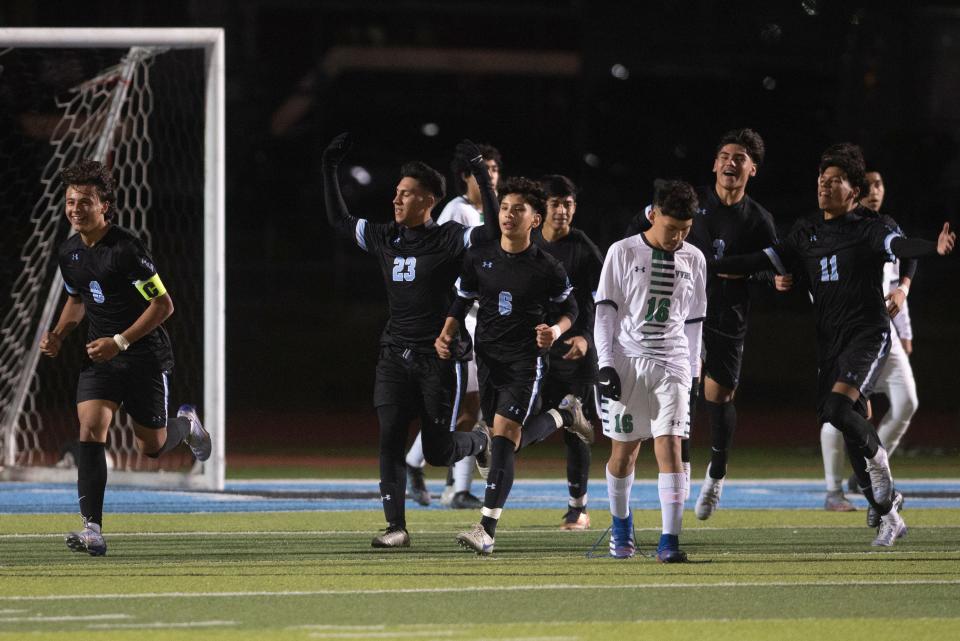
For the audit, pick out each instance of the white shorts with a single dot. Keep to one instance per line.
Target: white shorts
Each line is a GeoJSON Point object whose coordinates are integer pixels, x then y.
{"type": "Point", "coordinates": [652, 402]}
{"type": "Point", "coordinates": [470, 322]}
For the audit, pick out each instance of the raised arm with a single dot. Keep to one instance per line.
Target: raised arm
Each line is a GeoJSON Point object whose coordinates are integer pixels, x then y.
{"type": "Point", "coordinates": [469, 152]}
{"type": "Point", "coordinates": [917, 247]}
{"type": "Point", "coordinates": [339, 218]}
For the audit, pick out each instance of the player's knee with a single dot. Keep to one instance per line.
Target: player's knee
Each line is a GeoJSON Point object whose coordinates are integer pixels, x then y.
{"type": "Point", "coordinates": [835, 410]}
{"type": "Point", "coordinates": [436, 454]}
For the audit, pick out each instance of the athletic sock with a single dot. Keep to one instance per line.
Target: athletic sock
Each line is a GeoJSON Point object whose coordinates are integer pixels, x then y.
{"type": "Point", "coordinates": [723, 422]}
{"type": "Point", "coordinates": [857, 431]}
{"type": "Point", "coordinates": [540, 427]}
{"type": "Point", "coordinates": [91, 480]}
{"type": "Point", "coordinates": [392, 496]}
{"type": "Point", "coordinates": [463, 473]}
{"type": "Point", "coordinates": [670, 486]}
{"type": "Point", "coordinates": [831, 447]}
{"type": "Point", "coordinates": [499, 482]}
{"type": "Point", "coordinates": [859, 465]}
{"type": "Point", "coordinates": [686, 480]}
{"type": "Point", "coordinates": [178, 428]}
{"type": "Point", "coordinates": [618, 489]}
{"type": "Point", "coordinates": [415, 453]}
{"type": "Point", "coordinates": [578, 465]}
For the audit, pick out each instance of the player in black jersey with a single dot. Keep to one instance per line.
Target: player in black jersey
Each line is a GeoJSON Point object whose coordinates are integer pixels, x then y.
{"type": "Point", "coordinates": [516, 283]}
{"type": "Point", "coordinates": [419, 261]}
{"type": "Point", "coordinates": [841, 252]}
{"type": "Point", "coordinates": [729, 222]}
{"type": "Point", "coordinates": [111, 281]}
{"type": "Point", "coordinates": [573, 357]}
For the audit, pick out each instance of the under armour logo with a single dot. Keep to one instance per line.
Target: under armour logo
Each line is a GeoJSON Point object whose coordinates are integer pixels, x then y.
{"type": "Point", "coordinates": [386, 497]}
{"type": "Point", "coordinates": [75, 256]}
{"type": "Point", "coordinates": [640, 269]}
{"type": "Point", "coordinates": [813, 238]}
{"type": "Point", "coordinates": [513, 409]}
{"type": "Point", "coordinates": [487, 264]}
{"type": "Point", "coordinates": [491, 486]}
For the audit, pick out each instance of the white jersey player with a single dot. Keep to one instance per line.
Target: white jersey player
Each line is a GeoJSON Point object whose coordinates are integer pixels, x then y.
{"type": "Point", "coordinates": [466, 209]}
{"type": "Point", "coordinates": [651, 302]}
{"type": "Point", "coordinates": [895, 379]}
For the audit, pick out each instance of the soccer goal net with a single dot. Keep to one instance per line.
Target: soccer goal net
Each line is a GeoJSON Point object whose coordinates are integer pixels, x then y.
{"type": "Point", "coordinates": [149, 104]}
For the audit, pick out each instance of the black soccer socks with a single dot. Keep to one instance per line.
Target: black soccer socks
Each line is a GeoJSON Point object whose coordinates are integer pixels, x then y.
{"type": "Point", "coordinates": [578, 464]}
{"type": "Point", "coordinates": [499, 482]}
{"type": "Point", "coordinates": [723, 422]}
{"type": "Point", "coordinates": [91, 480]}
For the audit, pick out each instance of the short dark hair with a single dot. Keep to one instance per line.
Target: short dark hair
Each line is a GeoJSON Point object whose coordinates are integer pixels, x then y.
{"type": "Point", "coordinates": [459, 166]}
{"type": "Point", "coordinates": [428, 177]}
{"type": "Point", "coordinates": [92, 172]}
{"type": "Point", "coordinates": [529, 189]}
{"type": "Point", "coordinates": [557, 186]}
{"type": "Point", "coordinates": [848, 158]}
{"type": "Point", "coordinates": [675, 198]}
{"type": "Point", "coordinates": [746, 138]}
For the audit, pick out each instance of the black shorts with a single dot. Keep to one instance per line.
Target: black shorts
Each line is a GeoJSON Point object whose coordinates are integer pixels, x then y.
{"type": "Point", "coordinates": [857, 363]}
{"type": "Point", "coordinates": [139, 386]}
{"type": "Point", "coordinates": [724, 356]}
{"type": "Point", "coordinates": [512, 389]}
{"type": "Point", "coordinates": [423, 384]}
{"type": "Point", "coordinates": [570, 377]}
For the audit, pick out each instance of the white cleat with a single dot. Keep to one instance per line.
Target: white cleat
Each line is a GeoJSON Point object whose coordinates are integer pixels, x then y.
{"type": "Point", "coordinates": [581, 426]}
{"type": "Point", "coordinates": [88, 540]}
{"type": "Point", "coordinates": [198, 440]}
{"type": "Point", "coordinates": [881, 480]}
{"type": "Point", "coordinates": [892, 527]}
{"type": "Point", "coordinates": [483, 458]}
{"type": "Point", "coordinates": [709, 499]}
{"type": "Point", "coordinates": [477, 540]}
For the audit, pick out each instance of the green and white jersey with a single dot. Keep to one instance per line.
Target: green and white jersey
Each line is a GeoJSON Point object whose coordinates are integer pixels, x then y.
{"type": "Point", "coordinates": [656, 294]}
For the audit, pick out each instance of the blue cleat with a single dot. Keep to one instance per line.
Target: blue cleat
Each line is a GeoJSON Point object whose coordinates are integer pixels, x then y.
{"type": "Point", "coordinates": [668, 551]}
{"type": "Point", "coordinates": [622, 544]}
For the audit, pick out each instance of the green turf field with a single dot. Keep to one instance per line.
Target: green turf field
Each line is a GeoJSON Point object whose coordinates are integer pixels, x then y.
{"type": "Point", "coordinates": [754, 575]}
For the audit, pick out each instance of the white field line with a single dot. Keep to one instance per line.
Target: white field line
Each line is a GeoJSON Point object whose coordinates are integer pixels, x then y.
{"type": "Point", "coordinates": [473, 589]}
{"type": "Point", "coordinates": [550, 530]}
{"type": "Point", "coordinates": [234, 486]}
{"type": "Point", "coordinates": [163, 625]}
{"type": "Point", "coordinates": [380, 635]}
{"type": "Point", "coordinates": [53, 619]}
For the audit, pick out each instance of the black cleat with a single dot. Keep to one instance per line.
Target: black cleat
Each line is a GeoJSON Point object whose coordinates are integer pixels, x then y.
{"type": "Point", "coordinates": [417, 486]}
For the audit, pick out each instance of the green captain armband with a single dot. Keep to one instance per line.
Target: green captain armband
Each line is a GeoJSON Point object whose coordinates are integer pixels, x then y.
{"type": "Point", "coordinates": [150, 288]}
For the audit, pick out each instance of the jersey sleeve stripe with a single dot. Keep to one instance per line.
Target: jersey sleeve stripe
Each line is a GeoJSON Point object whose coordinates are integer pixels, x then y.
{"type": "Point", "coordinates": [563, 296]}
{"type": "Point", "coordinates": [775, 259]}
{"type": "Point", "coordinates": [463, 293]}
{"type": "Point", "coordinates": [607, 301]}
{"type": "Point", "coordinates": [888, 248]}
{"type": "Point", "coordinates": [690, 321]}
{"type": "Point", "coordinates": [70, 290]}
{"type": "Point", "coordinates": [361, 234]}
{"type": "Point", "coordinates": [468, 237]}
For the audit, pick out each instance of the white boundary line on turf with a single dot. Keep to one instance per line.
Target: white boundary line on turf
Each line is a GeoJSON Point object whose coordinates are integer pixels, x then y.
{"type": "Point", "coordinates": [485, 588]}
{"type": "Point", "coordinates": [234, 484]}
{"type": "Point", "coordinates": [162, 625]}
{"type": "Point", "coordinates": [56, 619]}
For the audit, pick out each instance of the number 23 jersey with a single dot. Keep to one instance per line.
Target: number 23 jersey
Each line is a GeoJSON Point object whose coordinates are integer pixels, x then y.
{"type": "Point", "coordinates": [655, 293]}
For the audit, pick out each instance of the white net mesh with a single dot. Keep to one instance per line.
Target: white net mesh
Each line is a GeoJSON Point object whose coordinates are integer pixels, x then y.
{"type": "Point", "coordinates": [139, 110]}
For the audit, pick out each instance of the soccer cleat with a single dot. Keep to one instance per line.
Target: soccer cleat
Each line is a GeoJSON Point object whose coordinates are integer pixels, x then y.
{"type": "Point", "coordinates": [837, 502]}
{"type": "Point", "coordinates": [477, 540]}
{"type": "Point", "coordinates": [575, 519]}
{"type": "Point", "coordinates": [483, 458]}
{"type": "Point", "coordinates": [198, 440]}
{"type": "Point", "coordinates": [881, 480]}
{"type": "Point", "coordinates": [88, 540]}
{"type": "Point", "coordinates": [580, 426]}
{"type": "Point", "coordinates": [873, 517]}
{"type": "Point", "coordinates": [892, 527]}
{"type": "Point", "coordinates": [709, 498]}
{"type": "Point", "coordinates": [622, 544]}
{"type": "Point", "coordinates": [417, 486]}
{"type": "Point", "coordinates": [446, 497]}
{"type": "Point", "coordinates": [668, 550]}
{"type": "Point", "coordinates": [465, 501]}
{"type": "Point", "coordinates": [392, 537]}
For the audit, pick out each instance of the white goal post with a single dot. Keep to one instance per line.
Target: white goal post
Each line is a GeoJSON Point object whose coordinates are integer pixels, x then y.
{"type": "Point", "coordinates": [107, 117]}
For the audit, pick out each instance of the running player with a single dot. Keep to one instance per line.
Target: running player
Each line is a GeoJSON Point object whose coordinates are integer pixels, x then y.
{"type": "Point", "coordinates": [894, 378]}
{"type": "Point", "coordinates": [651, 303]}
{"type": "Point", "coordinates": [111, 281]}
{"type": "Point", "coordinates": [573, 357]}
{"type": "Point", "coordinates": [419, 261]}
{"type": "Point", "coordinates": [841, 252]}
{"type": "Point", "coordinates": [516, 282]}
{"type": "Point", "coordinates": [466, 209]}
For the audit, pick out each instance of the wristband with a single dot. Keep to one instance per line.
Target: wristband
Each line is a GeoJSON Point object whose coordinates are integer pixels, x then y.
{"type": "Point", "coordinates": [904, 288]}
{"type": "Point", "coordinates": [121, 342]}
{"type": "Point", "coordinates": [555, 329]}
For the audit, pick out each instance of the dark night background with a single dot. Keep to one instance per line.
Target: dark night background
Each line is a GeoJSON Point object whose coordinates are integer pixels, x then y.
{"type": "Point", "coordinates": [539, 80]}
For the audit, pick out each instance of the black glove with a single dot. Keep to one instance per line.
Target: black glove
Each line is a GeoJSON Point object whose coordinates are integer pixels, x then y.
{"type": "Point", "coordinates": [337, 149]}
{"type": "Point", "coordinates": [467, 151]}
{"type": "Point", "coordinates": [609, 383]}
